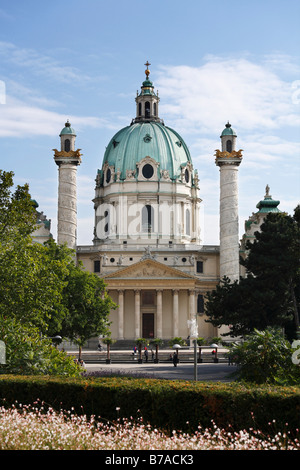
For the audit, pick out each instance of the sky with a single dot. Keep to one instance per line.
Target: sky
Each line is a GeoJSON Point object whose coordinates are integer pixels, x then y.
{"type": "Point", "coordinates": [211, 62]}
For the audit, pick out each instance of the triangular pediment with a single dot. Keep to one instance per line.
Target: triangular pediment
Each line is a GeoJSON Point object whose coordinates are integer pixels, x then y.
{"type": "Point", "coordinates": [148, 269]}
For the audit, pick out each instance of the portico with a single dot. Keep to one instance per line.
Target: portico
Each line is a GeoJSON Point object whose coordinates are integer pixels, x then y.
{"type": "Point", "coordinates": [154, 301]}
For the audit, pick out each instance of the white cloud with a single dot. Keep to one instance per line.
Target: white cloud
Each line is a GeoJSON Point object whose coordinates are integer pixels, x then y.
{"type": "Point", "coordinates": [40, 64]}
{"type": "Point", "coordinates": [18, 119]}
{"type": "Point", "coordinates": [251, 95]}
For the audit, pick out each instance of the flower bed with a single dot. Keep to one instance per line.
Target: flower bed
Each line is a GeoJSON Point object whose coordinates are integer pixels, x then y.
{"type": "Point", "coordinates": [34, 428]}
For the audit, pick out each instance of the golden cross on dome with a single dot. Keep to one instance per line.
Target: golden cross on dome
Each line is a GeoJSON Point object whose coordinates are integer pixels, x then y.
{"type": "Point", "coordinates": [147, 72]}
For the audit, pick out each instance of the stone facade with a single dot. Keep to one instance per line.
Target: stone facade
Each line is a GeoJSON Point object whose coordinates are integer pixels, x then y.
{"type": "Point", "coordinates": [147, 235]}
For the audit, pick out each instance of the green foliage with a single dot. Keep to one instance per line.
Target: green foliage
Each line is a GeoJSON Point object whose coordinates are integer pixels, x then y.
{"type": "Point", "coordinates": [266, 357]}
{"type": "Point", "coordinates": [17, 213]}
{"type": "Point", "coordinates": [177, 340]}
{"type": "Point", "coordinates": [31, 284]}
{"type": "Point", "coordinates": [87, 305]}
{"type": "Point", "coordinates": [270, 294]}
{"type": "Point", "coordinates": [273, 259]}
{"type": "Point", "coordinates": [141, 341]}
{"type": "Point", "coordinates": [165, 404]}
{"type": "Point", "coordinates": [30, 354]}
{"type": "Point", "coordinates": [200, 341]}
{"type": "Point", "coordinates": [41, 286]}
{"type": "Point", "coordinates": [108, 340]}
{"type": "Point", "coordinates": [31, 281]}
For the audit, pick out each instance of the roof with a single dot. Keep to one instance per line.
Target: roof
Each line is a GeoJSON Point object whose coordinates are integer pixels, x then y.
{"type": "Point", "coordinates": [67, 130]}
{"type": "Point", "coordinates": [228, 130]}
{"type": "Point", "coordinates": [152, 139]}
{"type": "Point", "coordinates": [268, 205]}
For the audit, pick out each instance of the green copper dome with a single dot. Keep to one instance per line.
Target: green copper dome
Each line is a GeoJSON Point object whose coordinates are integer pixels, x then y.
{"type": "Point", "coordinates": [67, 130]}
{"type": "Point", "coordinates": [268, 204]}
{"type": "Point", "coordinates": [147, 139]}
{"type": "Point", "coordinates": [228, 130]}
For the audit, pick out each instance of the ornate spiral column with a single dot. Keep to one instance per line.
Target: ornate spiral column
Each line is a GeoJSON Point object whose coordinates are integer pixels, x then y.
{"type": "Point", "coordinates": [229, 217]}
{"type": "Point", "coordinates": [67, 160]}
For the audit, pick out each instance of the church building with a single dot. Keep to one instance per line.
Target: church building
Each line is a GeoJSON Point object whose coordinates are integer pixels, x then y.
{"type": "Point", "coordinates": [147, 234]}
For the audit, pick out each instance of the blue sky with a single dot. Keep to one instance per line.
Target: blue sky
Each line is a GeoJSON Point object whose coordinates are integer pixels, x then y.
{"type": "Point", "coordinates": [211, 62]}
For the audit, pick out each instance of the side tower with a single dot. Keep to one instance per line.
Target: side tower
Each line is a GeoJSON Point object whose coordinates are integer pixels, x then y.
{"type": "Point", "coordinates": [228, 160]}
{"type": "Point", "coordinates": [67, 160]}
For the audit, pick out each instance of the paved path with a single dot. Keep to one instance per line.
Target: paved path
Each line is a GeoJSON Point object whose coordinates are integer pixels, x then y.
{"type": "Point", "coordinates": [205, 372]}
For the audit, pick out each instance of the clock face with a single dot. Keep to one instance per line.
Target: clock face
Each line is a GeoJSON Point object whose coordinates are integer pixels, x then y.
{"type": "Point", "coordinates": [187, 176]}
{"type": "Point", "coordinates": [108, 175]}
{"type": "Point", "coordinates": [147, 171]}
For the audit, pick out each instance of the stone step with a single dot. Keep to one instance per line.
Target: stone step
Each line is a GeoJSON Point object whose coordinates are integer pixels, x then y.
{"type": "Point", "coordinates": [163, 357]}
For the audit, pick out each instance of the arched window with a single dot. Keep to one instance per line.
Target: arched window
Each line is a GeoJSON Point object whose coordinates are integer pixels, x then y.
{"type": "Point", "coordinates": [187, 222]}
{"type": "Point", "coordinates": [140, 109]}
{"type": "Point", "coordinates": [97, 266]}
{"type": "Point", "coordinates": [229, 146]}
{"type": "Point", "coordinates": [200, 304]}
{"type": "Point", "coordinates": [147, 109]}
{"type": "Point", "coordinates": [106, 226]}
{"type": "Point", "coordinates": [155, 109]}
{"type": "Point", "coordinates": [108, 175]}
{"type": "Point", "coordinates": [67, 145]}
{"type": "Point", "coordinates": [148, 219]}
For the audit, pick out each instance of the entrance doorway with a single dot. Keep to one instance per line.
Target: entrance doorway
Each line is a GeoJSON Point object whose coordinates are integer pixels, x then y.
{"type": "Point", "coordinates": [148, 325]}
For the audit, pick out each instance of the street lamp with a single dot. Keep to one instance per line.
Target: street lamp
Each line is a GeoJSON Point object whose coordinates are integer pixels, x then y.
{"type": "Point", "coordinates": [56, 339]}
{"type": "Point", "coordinates": [192, 324]}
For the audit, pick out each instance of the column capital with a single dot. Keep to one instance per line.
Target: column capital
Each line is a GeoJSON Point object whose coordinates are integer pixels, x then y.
{"type": "Point", "coordinates": [226, 158]}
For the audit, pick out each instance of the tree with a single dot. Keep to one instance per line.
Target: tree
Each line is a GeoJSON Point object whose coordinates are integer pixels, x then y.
{"type": "Point", "coordinates": [27, 352]}
{"type": "Point", "coordinates": [87, 305]}
{"type": "Point", "coordinates": [274, 259]}
{"type": "Point", "coordinates": [266, 357]}
{"type": "Point", "coordinates": [17, 212]}
{"type": "Point", "coordinates": [157, 342]}
{"type": "Point", "coordinates": [108, 341]}
{"type": "Point", "coordinates": [140, 342]}
{"type": "Point", "coordinates": [269, 295]}
{"type": "Point", "coordinates": [31, 283]}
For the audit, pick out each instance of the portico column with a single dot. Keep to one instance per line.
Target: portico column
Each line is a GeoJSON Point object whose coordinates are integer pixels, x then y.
{"type": "Point", "coordinates": [137, 313]}
{"type": "Point", "coordinates": [191, 304]}
{"type": "Point", "coordinates": [192, 312]}
{"type": "Point", "coordinates": [159, 314]}
{"type": "Point", "coordinates": [175, 313]}
{"type": "Point", "coordinates": [121, 315]}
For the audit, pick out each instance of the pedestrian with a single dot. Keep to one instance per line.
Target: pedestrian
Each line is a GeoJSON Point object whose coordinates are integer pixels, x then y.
{"type": "Point", "coordinates": [175, 359]}
{"type": "Point", "coordinates": [146, 354]}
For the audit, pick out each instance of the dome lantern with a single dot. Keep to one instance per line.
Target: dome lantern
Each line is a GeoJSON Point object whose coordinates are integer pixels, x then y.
{"type": "Point", "coordinates": [67, 137]}
{"type": "Point", "coordinates": [147, 101]}
{"type": "Point", "coordinates": [228, 139]}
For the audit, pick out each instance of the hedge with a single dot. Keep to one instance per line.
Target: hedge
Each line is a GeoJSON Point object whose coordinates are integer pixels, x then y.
{"type": "Point", "coordinates": [168, 405]}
